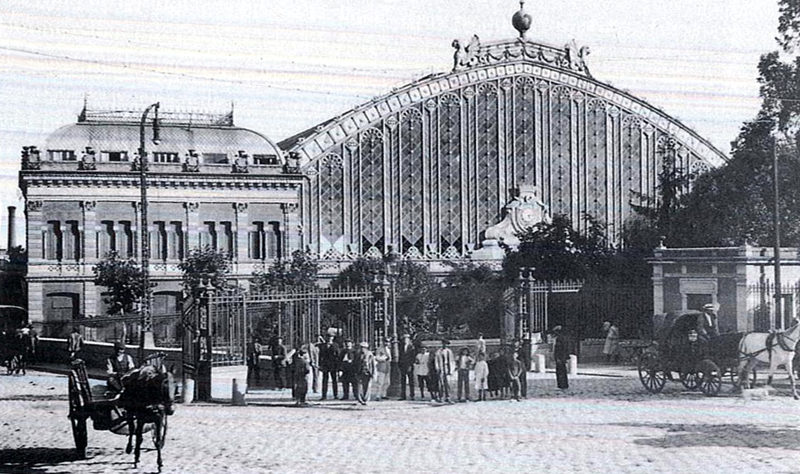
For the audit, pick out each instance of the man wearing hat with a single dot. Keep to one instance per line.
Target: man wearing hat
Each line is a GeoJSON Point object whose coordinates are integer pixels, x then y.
{"type": "Point", "coordinates": [562, 349]}
{"type": "Point", "coordinates": [407, 357]}
{"type": "Point", "coordinates": [365, 369]}
{"type": "Point", "coordinates": [443, 362]}
{"type": "Point", "coordinates": [118, 365]}
{"type": "Point", "coordinates": [707, 327]}
{"type": "Point", "coordinates": [383, 368]}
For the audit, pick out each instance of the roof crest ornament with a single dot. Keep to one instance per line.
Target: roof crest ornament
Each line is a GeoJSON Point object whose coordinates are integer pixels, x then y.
{"type": "Point", "coordinates": [522, 20]}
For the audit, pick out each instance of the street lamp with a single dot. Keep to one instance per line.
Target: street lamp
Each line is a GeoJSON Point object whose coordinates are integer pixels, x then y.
{"type": "Point", "coordinates": [391, 262]}
{"type": "Point", "coordinates": [146, 330]}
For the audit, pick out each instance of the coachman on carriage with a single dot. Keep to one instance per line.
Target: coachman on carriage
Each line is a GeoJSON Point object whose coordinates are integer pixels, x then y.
{"type": "Point", "coordinates": [679, 353]}
{"type": "Point", "coordinates": [144, 404]}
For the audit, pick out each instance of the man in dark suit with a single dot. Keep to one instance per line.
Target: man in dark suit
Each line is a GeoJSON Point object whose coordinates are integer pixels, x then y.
{"type": "Point", "coordinates": [707, 327]}
{"type": "Point", "coordinates": [408, 355]}
{"type": "Point", "coordinates": [347, 361]}
{"type": "Point", "coordinates": [561, 352]}
{"type": "Point", "coordinates": [278, 362]}
{"type": "Point", "coordinates": [365, 365]}
{"type": "Point", "coordinates": [329, 365]}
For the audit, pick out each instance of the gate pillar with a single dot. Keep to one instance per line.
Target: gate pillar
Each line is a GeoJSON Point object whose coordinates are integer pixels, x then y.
{"type": "Point", "coordinates": [203, 351]}
{"type": "Point", "coordinates": [380, 302]}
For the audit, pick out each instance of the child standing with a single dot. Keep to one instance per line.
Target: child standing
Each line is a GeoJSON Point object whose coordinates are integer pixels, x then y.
{"type": "Point", "coordinates": [463, 364]}
{"type": "Point", "coordinates": [481, 376]}
{"type": "Point", "coordinates": [421, 370]}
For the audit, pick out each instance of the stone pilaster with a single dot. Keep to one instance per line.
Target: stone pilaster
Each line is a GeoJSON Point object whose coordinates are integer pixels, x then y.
{"type": "Point", "coordinates": [89, 232]}
{"type": "Point", "coordinates": [242, 229]}
{"type": "Point", "coordinates": [90, 299]}
{"type": "Point", "coordinates": [192, 225]}
{"type": "Point", "coordinates": [35, 232]}
{"type": "Point", "coordinates": [35, 302]}
{"type": "Point", "coordinates": [291, 229]}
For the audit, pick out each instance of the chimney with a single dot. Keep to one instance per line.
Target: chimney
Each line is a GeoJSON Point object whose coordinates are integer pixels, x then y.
{"type": "Point", "coordinates": [12, 228]}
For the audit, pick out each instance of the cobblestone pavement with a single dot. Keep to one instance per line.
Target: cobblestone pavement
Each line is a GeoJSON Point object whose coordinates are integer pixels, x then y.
{"type": "Point", "coordinates": [601, 424]}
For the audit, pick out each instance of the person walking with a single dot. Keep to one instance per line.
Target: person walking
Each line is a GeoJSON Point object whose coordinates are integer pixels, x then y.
{"type": "Point", "coordinates": [347, 360]}
{"type": "Point", "coordinates": [406, 365]}
{"type": "Point", "coordinates": [329, 365]}
{"type": "Point", "coordinates": [365, 364]}
{"type": "Point", "coordinates": [312, 354]}
{"type": "Point", "coordinates": [562, 348]}
{"type": "Point", "coordinates": [611, 346]}
{"type": "Point", "coordinates": [253, 361]}
{"type": "Point", "coordinates": [463, 364]}
{"type": "Point", "coordinates": [278, 362]}
{"type": "Point", "coordinates": [514, 373]}
{"type": "Point", "coordinates": [444, 368]}
{"type": "Point", "coordinates": [421, 371]}
{"type": "Point", "coordinates": [525, 359]}
{"type": "Point", "coordinates": [74, 343]}
{"type": "Point", "coordinates": [300, 369]}
{"type": "Point", "coordinates": [383, 367]}
{"type": "Point", "coordinates": [481, 377]}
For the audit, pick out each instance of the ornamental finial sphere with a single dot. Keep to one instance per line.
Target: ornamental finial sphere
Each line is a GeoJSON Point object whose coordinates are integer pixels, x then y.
{"type": "Point", "coordinates": [522, 20]}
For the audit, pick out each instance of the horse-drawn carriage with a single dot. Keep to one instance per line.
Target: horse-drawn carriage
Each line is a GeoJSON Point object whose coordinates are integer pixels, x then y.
{"type": "Point", "coordinates": [678, 354]}
{"type": "Point", "coordinates": [144, 404]}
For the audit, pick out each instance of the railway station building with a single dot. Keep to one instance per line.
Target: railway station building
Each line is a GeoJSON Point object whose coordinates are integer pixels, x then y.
{"type": "Point", "coordinates": [443, 168]}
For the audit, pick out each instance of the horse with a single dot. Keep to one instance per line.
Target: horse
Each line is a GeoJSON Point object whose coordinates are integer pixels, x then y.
{"type": "Point", "coordinates": [775, 349]}
{"type": "Point", "coordinates": [148, 396]}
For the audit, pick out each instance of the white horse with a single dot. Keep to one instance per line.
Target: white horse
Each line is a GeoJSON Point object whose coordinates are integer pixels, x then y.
{"type": "Point", "coordinates": [775, 349]}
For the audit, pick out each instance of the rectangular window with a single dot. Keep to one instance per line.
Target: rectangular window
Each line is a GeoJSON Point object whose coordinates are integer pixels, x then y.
{"type": "Point", "coordinates": [225, 237]}
{"type": "Point", "coordinates": [106, 239]}
{"type": "Point", "coordinates": [114, 156]}
{"type": "Point", "coordinates": [273, 240]}
{"type": "Point", "coordinates": [62, 155]}
{"type": "Point", "coordinates": [165, 157]}
{"type": "Point", "coordinates": [53, 241]}
{"type": "Point", "coordinates": [256, 241]}
{"type": "Point", "coordinates": [175, 241]}
{"type": "Point", "coordinates": [71, 249]}
{"type": "Point", "coordinates": [124, 238]}
{"type": "Point", "coordinates": [215, 158]}
{"type": "Point", "coordinates": [265, 160]}
{"type": "Point", "coordinates": [208, 235]}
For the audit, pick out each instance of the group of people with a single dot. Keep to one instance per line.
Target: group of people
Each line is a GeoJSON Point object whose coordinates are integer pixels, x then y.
{"type": "Point", "coordinates": [365, 374]}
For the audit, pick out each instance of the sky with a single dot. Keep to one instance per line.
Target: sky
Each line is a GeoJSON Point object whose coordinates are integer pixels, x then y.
{"type": "Point", "coordinates": [289, 65]}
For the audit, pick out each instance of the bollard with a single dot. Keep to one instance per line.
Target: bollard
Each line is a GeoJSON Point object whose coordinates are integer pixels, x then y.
{"type": "Point", "coordinates": [573, 364]}
{"type": "Point", "coordinates": [540, 366]}
{"type": "Point", "coordinates": [188, 391]}
{"type": "Point", "coordinates": [237, 397]}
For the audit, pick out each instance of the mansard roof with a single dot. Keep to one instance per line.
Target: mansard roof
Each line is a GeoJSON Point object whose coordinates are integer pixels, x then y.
{"type": "Point", "coordinates": [502, 62]}
{"type": "Point", "coordinates": [119, 131]}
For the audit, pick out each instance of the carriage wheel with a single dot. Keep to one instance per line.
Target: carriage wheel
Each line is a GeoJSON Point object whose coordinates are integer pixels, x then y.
{"type": "Point", "coordinates": [650, 375]}
{"type": "Point", "coordinates": [690, 380]}
{"type": "Point", "coordinates": [160, 433]}
{"type": "Point", "coordinates": [77, 419]}
{"type": "Point", "coordinates": [710, 378]}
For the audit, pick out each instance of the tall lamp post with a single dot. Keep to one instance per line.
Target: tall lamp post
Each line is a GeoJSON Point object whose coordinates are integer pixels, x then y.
{"type": "Point", "coordinates": [776, 216]}
{"type": "Point", "coordinates": [391, 261]}
{"type": "Point", "coordinates": [146, 330]}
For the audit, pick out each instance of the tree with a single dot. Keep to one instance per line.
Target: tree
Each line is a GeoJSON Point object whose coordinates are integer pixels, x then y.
{"type": "Point", "coordinates": [124, 279]}
{"type": "Point", "coordinates": [12, 278]}
{"type": "Point", "coordinates": [414, 288]}
{"type": "Point", "coordinates": [556, 251]}
{"type": "Point", "coordinates": [205, 266]}
{"type": "Point", "coordinates": [733, 204]}
{"type": "Point", "coordinates": [471, 300]}
{"type": "Point", "coordinates": [300, 273]}
{"type": "Point", "coordinates": [655, 215]}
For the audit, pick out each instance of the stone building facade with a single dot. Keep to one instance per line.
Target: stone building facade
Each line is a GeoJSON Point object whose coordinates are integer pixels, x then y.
{"type": "Point", "coordinates": [210, 183]}
{"type": "Point", "coordinates": [739, 280]}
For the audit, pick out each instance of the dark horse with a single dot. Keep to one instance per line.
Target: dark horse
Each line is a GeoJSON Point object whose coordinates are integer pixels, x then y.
{"type": "Point", "coordinates": [148, 396]}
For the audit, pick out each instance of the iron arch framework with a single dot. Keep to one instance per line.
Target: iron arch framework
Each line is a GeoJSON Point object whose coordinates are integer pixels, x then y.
{"type": "Point", "coordinates": [429, 167]}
